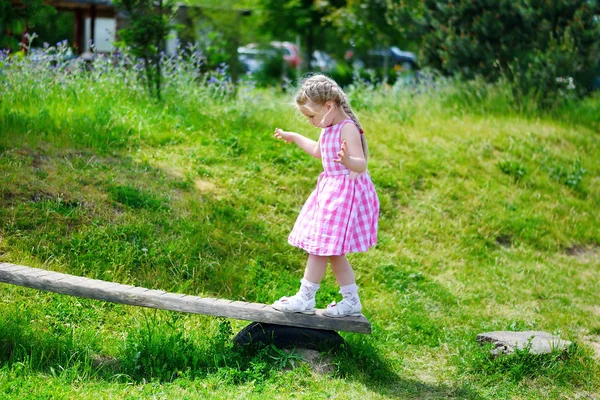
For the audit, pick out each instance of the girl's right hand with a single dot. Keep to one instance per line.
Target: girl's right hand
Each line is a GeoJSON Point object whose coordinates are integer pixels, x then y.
{"type": "Point", "coordinates": [283, 135]}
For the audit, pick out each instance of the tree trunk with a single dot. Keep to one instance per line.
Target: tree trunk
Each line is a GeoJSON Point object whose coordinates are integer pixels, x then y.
{"type": "Point", "coordinates": [234, 43]}
{"type": "Point", "coordinates": [309, 46]}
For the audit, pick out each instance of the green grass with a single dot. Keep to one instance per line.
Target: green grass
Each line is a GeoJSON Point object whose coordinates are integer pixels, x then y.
{"type": "Point", "coordinates": [488, 221]}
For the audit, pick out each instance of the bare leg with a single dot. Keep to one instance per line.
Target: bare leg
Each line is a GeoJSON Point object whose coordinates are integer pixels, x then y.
{"type": "Point", "coordinates": [315, 268]}
{"type": "Point", "coordinates": [344, 274]}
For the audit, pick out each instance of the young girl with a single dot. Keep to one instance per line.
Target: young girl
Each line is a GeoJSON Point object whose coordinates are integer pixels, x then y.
{"type": "Point", "coordinates": [341, 214]}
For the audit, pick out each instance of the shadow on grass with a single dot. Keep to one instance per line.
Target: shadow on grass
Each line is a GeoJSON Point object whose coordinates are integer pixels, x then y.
{"type": "Point", "coordinates": [361, 362]}
{"type": "Point", "coordinates": [163, 351]}
{"type": "Point", "coordinates": [37, 349]}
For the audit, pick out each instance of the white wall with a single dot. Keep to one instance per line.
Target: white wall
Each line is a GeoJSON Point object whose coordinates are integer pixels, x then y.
{"type": "Point", "coordinates": [171, 43]}
{"type": "Point", "coordinates": [104, 34]}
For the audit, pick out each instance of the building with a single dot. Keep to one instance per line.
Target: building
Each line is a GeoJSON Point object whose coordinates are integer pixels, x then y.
{"type": "Point", "coordinates": [96, 21]}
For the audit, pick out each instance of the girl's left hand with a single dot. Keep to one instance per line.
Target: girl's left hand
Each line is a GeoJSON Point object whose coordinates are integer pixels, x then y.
{"type": "Point", "coordinates": [342, 154]}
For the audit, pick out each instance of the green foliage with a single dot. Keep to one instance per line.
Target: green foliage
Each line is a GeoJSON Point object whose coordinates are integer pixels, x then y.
{"type": "Point", "coordinates": [15, 19]}
{"type": "Point", "coordinates": [286, 19]}
{"type": "Point", "coordinates": [215, 49]}
{"type": "Point", "coordinates": [161, 349]}
{"type": "Point", "coordinates": [365, 24]}
{"type": "Point", "coordinates": [146, 36]}
{"type": "Point", "coordinates": [513, 168]}
{"type": "Point", "coordinates": [531, 42]}
{"type": "Point", "coordinates": [569, 175]}
{"type": "Point", "coordinates": [272, 71]}
{"type": "Point", "coordinates": [342, 74]}
{"type": "Point", "coordinates": [164, 350]}
{"type": "Point", "coordinates": [220, 29]}
{"type": "Point", "coordinates": [53, 27]}
{"type": "Point", "coordinates": [58, 347]}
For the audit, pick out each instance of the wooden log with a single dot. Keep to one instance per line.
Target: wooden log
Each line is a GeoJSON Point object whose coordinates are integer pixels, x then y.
{"type": "Point", "coordinates": [56, 282]}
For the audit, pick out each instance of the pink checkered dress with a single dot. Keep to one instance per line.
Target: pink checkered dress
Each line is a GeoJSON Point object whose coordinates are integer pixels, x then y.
{"type": "Point", "coordinates": [341, 214]}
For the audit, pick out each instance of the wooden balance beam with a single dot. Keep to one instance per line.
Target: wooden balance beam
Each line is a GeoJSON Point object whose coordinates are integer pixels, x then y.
{"type": "Point", "coordinates": [263, 315]}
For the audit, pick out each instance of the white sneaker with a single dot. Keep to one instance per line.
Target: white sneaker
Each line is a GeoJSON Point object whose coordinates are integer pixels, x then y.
{"type": "Point", "coordinates": [344, 308]}
{"type": "Point", "coordinates": [295, 304]}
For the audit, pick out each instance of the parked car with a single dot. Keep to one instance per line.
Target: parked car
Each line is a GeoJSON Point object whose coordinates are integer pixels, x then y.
{"type": "Point", "coordinates": [254, 59]}
{"type": "Point", "coordinates": [289, 52]}
{"type": "Point", "coordinates": [398, 60]}
{"type": "Point", "coordinates": [265, 63]}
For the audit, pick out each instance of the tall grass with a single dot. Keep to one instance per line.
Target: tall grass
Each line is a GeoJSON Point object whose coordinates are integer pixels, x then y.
{"type": "Point", "coordinates": [488, 222]}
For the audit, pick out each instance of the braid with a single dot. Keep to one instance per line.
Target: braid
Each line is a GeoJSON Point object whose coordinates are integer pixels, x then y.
{"type": "Point", "coordinates": [319, 89]}
{"type": "Point", "coordinates": [348, 110]}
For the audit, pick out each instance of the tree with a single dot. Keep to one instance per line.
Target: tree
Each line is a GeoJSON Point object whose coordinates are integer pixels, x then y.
{"type": "Point", "coordinates": [533, 41]}
{"type": "Point", "coordinates": [221, 26]}
{"type": "Point", "coordinates": [288, 18]}
{"type": "Point", "coordinates": [15, 19]}
{"type": "Point", "coordinates": [149, 25]}
{"type": "Point", "coordinates": [365, 24]}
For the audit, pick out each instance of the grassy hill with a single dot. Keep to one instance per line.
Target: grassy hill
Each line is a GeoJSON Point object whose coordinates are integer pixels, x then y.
{"type": "Point", "coordinates": [489, 221]}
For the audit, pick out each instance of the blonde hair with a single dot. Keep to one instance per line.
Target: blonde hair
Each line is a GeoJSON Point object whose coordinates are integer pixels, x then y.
{"type": "Point", "coordinates": [320, 89]}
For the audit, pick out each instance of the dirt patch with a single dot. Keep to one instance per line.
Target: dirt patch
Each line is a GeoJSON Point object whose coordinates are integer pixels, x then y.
{"type": "Point", "coordinates": [205, 186]}
{"type": "Point", "coordinates": [41, 196]}
{"type": "Point", "coordinates": [37, 156]}
{"type": "Point", "coordinates": [7, 195]}
{"type": "Point", "coordinates": [37, 160]}
{"type": "Point", "coordinates": [589, 253]}
{"type": "Point", "coordinates": [504, 240]}
{"type": "Point", "coordinates": [594, 342]}
{"type": "Point", "coordinates": [595, 309]}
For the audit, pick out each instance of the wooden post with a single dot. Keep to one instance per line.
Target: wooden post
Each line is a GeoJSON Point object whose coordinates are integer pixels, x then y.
{"type": "Point", "coordinates": [24, 42]}
{"type": "Point", "coordinates": [93, 25]}
{"type": "Point", "coordinates": [79, 24]}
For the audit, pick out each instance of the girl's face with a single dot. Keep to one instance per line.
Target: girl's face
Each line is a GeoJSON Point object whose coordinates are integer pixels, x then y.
{"type": "Point", "coordinates": [320, 116]}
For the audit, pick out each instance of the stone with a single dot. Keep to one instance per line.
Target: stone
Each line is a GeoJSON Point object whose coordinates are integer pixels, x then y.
{"type": "Point", "coordinates": [505, 342]}
{"type": "Point", "coordinates": [317, 363]}
{"type": "Point", "coordinates": [101, 361]}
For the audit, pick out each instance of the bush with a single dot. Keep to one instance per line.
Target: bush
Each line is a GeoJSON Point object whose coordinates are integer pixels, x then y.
{"type": "Point", "coordinates": [532, 43]}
